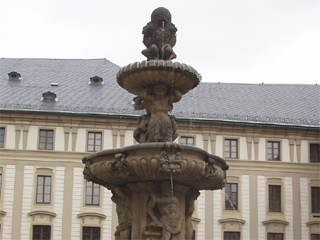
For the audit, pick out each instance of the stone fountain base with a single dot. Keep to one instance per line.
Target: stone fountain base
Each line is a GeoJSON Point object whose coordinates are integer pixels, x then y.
{"type": "Point", "coordinates": [154, 186]}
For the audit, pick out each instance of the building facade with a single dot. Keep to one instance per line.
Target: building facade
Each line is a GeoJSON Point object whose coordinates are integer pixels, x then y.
{"type": "Point", "coordinates": [55, 112]}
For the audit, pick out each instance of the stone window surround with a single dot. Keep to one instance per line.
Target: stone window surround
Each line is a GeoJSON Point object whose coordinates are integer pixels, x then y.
{"type": "Point", "coordinates": [277, 182]}
{"type": "Point", "coordinates": [85, 195]}
{"type": "Point", "coordinates": [238, 146]}
{"type": "Point", "coordinates": [85, 216]}
{"type": "Point", "coordinates": [280, 150]}
{"type": "Point", "coordinates": [4, 136]}
{"type": "Point", "coordinates": [54, 137]}
{"type": "Point", "coordinates": [2, 185]}
{"type": "Point", "coordinates": [313, 183]}
{"type": "Point", "coordinates": [188, 136]}
{"type": "Point", "coordinates": [233, 179]}
{"type": "Point", "coordinates": [43, 172]}
{"type": "Point", "coordinates": [41, 224]}
{"type": "Point", "coordinates": [93, 131]}
{"type": "Point", "coordinates": [90, 207]}
{"type": "Point", "coordinates": [309, 154]}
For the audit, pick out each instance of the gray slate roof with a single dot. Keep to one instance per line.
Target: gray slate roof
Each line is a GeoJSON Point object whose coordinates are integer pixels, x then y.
{"type": "Point", "coordinates": [291, 105]}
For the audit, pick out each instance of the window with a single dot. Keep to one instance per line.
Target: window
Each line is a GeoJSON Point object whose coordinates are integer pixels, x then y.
{"type": "Point", "coordinates": [231, 236]}
{"type": "Point", "coordinates": [41, 232]}
{"type": "Point", "coordinates": [273, 150]}
{"type": "Point", "coordinates": [92, 193]}
{"type": "Point", "coordinates": [231, 148]}
{"type": "Point", "coordinates": [187, 140]}
{"type": "Point", "coordinates": [1, 137]}
{"type": "Point", "coordinates": [0, 184]}
{"type": "Point", "coordinates": [43, 189]}
{"type": "Point", "coordinates": [315, 236]}
{"type": "Point", "coordinates": [275, 236]}
{"type": "Point", "coordinates": [46, 140]}
{"type": "Point", "coordinates": [94, 141]}
{"type": "Point", "coordinates": [314, 152]}
{"type": "Point", "coordinates": [274, 198]}
{"type": "Point", "coordinates": [90, 233]}
{"type": "Point", "coordinates": [231, 196]}
{"type": "Point", "coordinates": [315, 199]}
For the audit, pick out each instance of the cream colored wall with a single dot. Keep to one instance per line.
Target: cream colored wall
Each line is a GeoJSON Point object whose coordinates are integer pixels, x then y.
{"type": "Point", "coordinates": [81, 140]}
{"type": "Point", "coordinates": [288, 206]}
{"type": "Point", "coordinates": [28, 201]}
{"type": "Point", "coordinates": [10, 141]}
{"type": "Point", "coordinates": [262, 207]}
{"type": "Point", "coordinates": [8, 201]}
{"type": "Point", "coordinates": [59, 162]}
{"type": "Point", "coordinates": [245, 208]}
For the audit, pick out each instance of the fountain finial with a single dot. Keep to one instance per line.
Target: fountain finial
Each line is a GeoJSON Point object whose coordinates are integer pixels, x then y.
{"type": "Point", "coordinates": [159, 36]}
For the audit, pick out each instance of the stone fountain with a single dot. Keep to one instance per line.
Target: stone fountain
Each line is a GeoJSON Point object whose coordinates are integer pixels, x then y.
{"type": "Point", "coordinates": [156, 182]}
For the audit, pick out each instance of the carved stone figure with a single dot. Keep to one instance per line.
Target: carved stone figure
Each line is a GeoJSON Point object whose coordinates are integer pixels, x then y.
{"type": "Point", "coordinates": [191, 196]}
{"type": "Point", "coordinates": [156, 125]}
{"type": "Point", "coordinates": [171, 220]}
{"type": "Point", "coordinates": [159, 36]}
{"type": "Point", "coordinates": [122, 198]}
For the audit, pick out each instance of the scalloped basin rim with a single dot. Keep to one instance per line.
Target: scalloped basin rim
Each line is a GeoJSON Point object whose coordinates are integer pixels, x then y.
{"type": "Point", "coordinates": [153, 146]}
{"type": "Point", "coordinates": [136, 76]}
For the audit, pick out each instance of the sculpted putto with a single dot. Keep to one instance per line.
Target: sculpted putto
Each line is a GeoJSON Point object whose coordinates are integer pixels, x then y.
{"type": "Point", "coordinates": [156, 125]}
{"type": "Point", "coordinates": [159, 36]}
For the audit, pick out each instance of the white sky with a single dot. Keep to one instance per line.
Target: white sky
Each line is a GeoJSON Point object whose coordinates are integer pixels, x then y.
{"type": "Point", "coordinates": [237, 41]}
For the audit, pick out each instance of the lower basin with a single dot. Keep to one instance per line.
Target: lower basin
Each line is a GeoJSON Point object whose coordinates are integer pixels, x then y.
{"type": "Point", "coordinates": [156, 162]}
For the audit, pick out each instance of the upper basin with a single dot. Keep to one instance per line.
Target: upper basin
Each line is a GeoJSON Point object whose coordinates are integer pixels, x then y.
{"type": "Point", "coordinates": [136, 76]}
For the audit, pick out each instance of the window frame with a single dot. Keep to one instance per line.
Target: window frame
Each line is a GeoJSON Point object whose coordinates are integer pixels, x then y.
{"type": "Point", "coordinates": [231, 232]}
{"type": "Point", "coordinates": [46, 139]}
{"type": "Point", "coordinates": [41, 231]}
{"type": "Point", "coordinates": [94, 145]}
{"type": "Point", "coordinates": [317, 235]}
{"type": "Point", "coordinates": [43, 189]}
{"type": "Point", "coordinates": [2, 136]}
{"type": "Point", "coordinates": [273, 150]}
{"type": "Point", "coordinates": [272, 205]}
{"type": "Point", "coordinates": [94, 186]}
{"type": "Point", "coordinates": [274, 237]}
{"type": "Point", "coordinates": [315, 152]}
{"type": "Point", "coordinates": [230, 140]}
{"type": "Point", "coordinates": [91, 228]}
{"type": "Point", "coordinates": [315, 198]}
{"type": "Point", "coordinates": [186, 138]}
{"type": "Point", "coordinates": [229, 194]}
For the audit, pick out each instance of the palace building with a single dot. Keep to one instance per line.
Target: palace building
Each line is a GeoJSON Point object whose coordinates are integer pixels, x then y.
{"type": "Point", "coordinates": [53, 112]}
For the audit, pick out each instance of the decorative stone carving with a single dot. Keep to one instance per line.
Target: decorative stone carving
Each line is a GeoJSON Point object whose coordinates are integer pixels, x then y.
{"type": "Point", "coordinates": [159, 36]}
{"type": "Point", "coordinates": [170, 159]}
{"type": "Point", "coordinates": [191, 196]}
{"type": "Point", "coordinates": [171, 220]}
{"type": "Point", "coordinates": [210, 170]}
{"type": "Point", "coordinates": [122, 198]}
{"type": "Point", "coordinates": [156, 125]}
{"type": "Point", "coordinates": [120, 165]}
{"type": "Point", "coordinates": [156, 182]}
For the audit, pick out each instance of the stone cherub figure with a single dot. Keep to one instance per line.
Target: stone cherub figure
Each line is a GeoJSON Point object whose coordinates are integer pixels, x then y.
{"type": "Point", "coordinates": [122, 197]}
{"type": "Point", "coordinates": [157, 125]}
{"type": "Point", "coordinates": [159, 36]}
{"type": "Point", "coordinates": [171, 220]}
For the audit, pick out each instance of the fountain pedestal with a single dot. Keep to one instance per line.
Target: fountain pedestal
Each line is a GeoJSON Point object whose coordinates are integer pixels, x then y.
{"type": "Point", "coordinates": [155, 183]}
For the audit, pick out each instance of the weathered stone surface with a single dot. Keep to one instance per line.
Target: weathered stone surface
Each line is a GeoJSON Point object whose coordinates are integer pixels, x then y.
{"type": "Point", "coordinates": [136, 76]}
{"type": "Point", "coordinates": [188, 165]}
{"type": "Point", "coordinates": [156, 182]}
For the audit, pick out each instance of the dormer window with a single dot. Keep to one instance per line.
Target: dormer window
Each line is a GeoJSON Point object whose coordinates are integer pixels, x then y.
{"type": "Point", "coordinates": [96, 80]}
{"type": "Point", "coordinates": [49, 96]}
{"type": "Point", "coordinates": [14, 76]}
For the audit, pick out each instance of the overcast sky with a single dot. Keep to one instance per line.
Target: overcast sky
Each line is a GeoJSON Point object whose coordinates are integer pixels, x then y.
{"type": "Point", "coordinates": [226, 41]}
